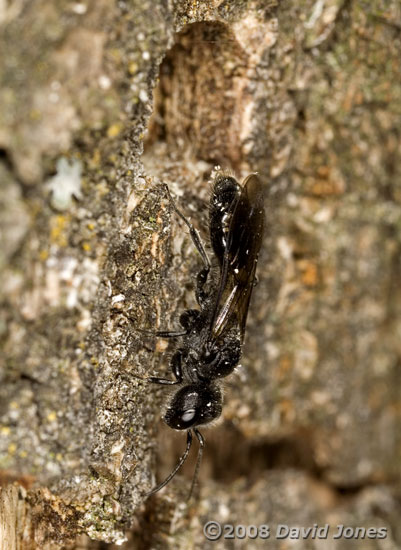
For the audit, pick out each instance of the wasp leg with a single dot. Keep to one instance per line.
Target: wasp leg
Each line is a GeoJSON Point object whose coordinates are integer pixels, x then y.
{"type": "Point", "coordinates": [163, 381]}
{"type": "Point", "coordinates": [163, 333]}
{"type": "Point", "coordinates": [201, 279]}
{"type": "Point", "coordinates": [155, 380]}
{"type": "Point", "coordinates": [158, 333]}
{"type": "Point", "coordinates": [189, 318]}
{"type": "Point", "coordinates": [192, 231]}
{"type": "Point", "coordinates": [202, 276]}
{"type": "Point", "coordinates": [180, 463]}
{"type": "Point", "coordinates": [177, 371]}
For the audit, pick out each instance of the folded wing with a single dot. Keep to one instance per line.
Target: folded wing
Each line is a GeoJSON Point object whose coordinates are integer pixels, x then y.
{"type": "Point", "coordinates": [243, 243]}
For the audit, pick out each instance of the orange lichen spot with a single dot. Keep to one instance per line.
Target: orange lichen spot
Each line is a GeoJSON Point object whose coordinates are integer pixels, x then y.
{"type": "Point", "coordinates": [12, 448]}
{"type": "Point", "coordinates": [43, 255]}
{"type": "Point", "coordinates": [57, 232]}
{"type": "Point", "coordinates": [324, 187]}
{"type": "Point", "coordinates": [285, 365]}
{"type": "Point", "coordinates": [96, 157]}
{"type": "Point", "coordinates": [326, 181]}
{"type": "Point", "coordinates": [133, 68]}
{"type": "Point", "coordinates": [114, 130]}
{"type": "Point", "coordinates": [86, 246]}
{"type": "Point", "coordinates": [52, 416]}
{"type": "Point", "coordinates": [309, 272]}
{"type": "Point", "coordinates": [323, 171]}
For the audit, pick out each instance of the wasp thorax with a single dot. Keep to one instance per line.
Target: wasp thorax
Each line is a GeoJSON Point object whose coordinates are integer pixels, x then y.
{"type": "Point", "coordinates": [225, 191]}
{"type": "Point", "coordinates": [193, 405]}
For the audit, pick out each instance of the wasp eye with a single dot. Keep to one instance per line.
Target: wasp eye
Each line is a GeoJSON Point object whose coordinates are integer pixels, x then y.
{"type": "Point", "coordinates": [188, 415]}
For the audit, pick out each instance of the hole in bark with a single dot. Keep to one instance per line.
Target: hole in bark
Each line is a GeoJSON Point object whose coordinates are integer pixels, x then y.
{"type": "Point", "coordinates": [198, 102]}
{"type": "Point", "coordinates": [229, 455]}
{"type": "Point", "coordinates": [6, 159]}
{"type": "Point", "coordinates": [253, 457]}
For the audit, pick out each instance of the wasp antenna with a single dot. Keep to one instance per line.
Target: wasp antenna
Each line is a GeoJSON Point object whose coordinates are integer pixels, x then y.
{"type": "Point", "coordinates": [180, 463]}
{"type": "Point", "coordinates": [198, 461]}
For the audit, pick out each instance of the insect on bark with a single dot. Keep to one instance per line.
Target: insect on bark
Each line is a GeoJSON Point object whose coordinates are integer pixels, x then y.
{"type": "Point", "coordinates": [211, 336]}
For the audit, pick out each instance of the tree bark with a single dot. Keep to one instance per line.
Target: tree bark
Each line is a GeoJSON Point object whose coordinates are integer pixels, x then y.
{"type": "Point", "coordinates": [101, 104]}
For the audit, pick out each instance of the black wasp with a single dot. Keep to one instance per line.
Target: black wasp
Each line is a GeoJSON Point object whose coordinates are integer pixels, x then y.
{"type": "Point", "coordinates": [212, 335]}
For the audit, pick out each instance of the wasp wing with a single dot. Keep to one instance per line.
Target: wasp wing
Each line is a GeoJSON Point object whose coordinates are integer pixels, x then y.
{"type": "Point", "coordinates": [237, 275]}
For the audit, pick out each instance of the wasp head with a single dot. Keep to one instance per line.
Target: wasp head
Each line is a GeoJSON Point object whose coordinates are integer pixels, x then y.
{"type": "Point", "coordinates": [193, 405]}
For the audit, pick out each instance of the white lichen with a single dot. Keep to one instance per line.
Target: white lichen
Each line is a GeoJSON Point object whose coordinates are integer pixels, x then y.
{"type": "Point", "coordinates": [66, 184]}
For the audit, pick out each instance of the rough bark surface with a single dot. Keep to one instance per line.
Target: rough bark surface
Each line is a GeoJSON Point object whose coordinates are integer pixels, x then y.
{"type": "Point", "coordinates": [306, 93]}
